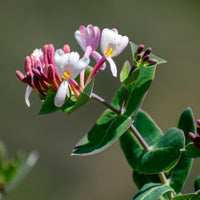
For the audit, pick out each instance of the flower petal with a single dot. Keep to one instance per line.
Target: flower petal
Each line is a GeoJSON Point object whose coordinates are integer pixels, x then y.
{"type": "Point", "coordinates": [113, 66]}
{"type": "Point", "coordinates": [61, 94]}
{"type": "Point", "coordinates": [27, 94]}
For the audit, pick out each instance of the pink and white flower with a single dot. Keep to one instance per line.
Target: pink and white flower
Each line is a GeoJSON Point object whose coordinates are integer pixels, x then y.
{"type": "Point", "coordinates": [112, 44]}
{"type": "Point", "coordinates": [68, 65]}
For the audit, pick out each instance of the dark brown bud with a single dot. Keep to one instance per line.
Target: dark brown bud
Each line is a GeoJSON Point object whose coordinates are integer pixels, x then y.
{"type": "Point", "coordinates": [152, 61]}
{"type": "Point", "coordinates": [147, 52]}
{"type": "Point", "coordinates": [146, 58]}
{"type": "Point", "coordinates": [138, 57]}
{"type": "Point", "coordinates": [140, 48]}
{"type": "Point", "coordinates": [198, 130]}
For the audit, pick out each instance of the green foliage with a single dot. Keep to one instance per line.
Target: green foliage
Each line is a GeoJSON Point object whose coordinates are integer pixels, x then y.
{"type": "Point", "coordinates": [165, 149]}
{"type": "Point", "coordinates": [125, 71]}
{"type": "Point", "coordinates": [13, 171]}
{"type": "Point", "coordinates": [82, 99]}
{"type": "Point", "coordinates": [152, 191]}
{"type": "Point", "coordinates": [192, 151]}
{"type": "Point", "coordinates": [179, 174]}
{"type": "Point", "coordinates": [194, 196]}
{"type": "Point", "coordinates": [106, 131]}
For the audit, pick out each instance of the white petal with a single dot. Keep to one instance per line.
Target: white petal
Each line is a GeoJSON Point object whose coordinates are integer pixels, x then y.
{"type": "Point", "coordinates": [113, 67]}
{"type": "Point", "coordinates": [27, 94]}
{"type": "Point", "coordinates": [98, 57]}
{"type": "Point", "coordinates": [37, 53]}
{"type": "Point", "coordinates": [121, 43]}
{"type": "Point", "coordinates": [79, 66]}
{"type": "Point", "coordinates": [78, 39]}
{"type": "Point", "coordinates": [61, 94]}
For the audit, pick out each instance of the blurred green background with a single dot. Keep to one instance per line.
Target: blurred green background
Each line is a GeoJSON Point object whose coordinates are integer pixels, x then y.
{"type": "Point", "coordinates": [170, 27]}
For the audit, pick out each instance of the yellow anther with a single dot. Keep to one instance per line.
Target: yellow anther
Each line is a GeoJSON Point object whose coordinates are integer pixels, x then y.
{"type": "Point", "coordinates": [109, 52]}
{"type": "Point", "coordinates": [66, 75]}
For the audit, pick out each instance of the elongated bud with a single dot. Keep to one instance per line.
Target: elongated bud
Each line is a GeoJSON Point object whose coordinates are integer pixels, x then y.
{"type": "Point", "coordinates": [20, 76]}
{"type": "Point", "coordinates": [192, 136]}
{"type": "Point", "coordinates": [37, 85]}
{"type": "Point", "coordinates": [138, 57]}
{"type": "Point", "coordinates": [50, 53]}
{"type": "Point", "coordinates": [146, 58]}
{"type": "Point", "coordinates": [152, 61]}
{"type": "Point", "coordinates": [140, 48]}
{"type": "Point", "coordinates": [198, 122]}
{"type": "Point", "coordinates": [66, 48]}
{"type": "Point", "coordinates": [45, 55]}
{"type": "Point", "coordinates": [147, 52]}
{"type": "Point", "coordinates": [51, 74]}
{"type": "Point", "coordinates": [36, 72]}
{"type": "Point", "coordinates": [27, 65]}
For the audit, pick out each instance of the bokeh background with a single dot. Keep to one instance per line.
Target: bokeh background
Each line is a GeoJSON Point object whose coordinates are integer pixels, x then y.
{"type": "Point", "coordinates": [170, 27]}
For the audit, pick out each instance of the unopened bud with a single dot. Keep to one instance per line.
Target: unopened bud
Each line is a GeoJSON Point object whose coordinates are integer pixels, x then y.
{"type": "Point", "coordinates": [27, 65]}
{"type": "Point", "coordinates": [146, 58]}
{"type": "Point", "coordinates": [140, 48]}
{"type": "Point", "coordinates": [192, 136]}
{"type": "Point", "coordinates": [147, 52]}
{"type": "Point", "coordinates": [197, 139]}
{"type": "Point", "coordinates": [66, 48]}
{"type": "Point", "coordinates": [37, 85]}
{"type": "Point", "coordinates": [20, 76]}
{"type": "Point", "coordinates": [51, 74]}
{"type": "Point", "coordinates": [198, 122]}
{"type": "Point", "coordinates": [29, 79]}
{"type": "Point", "coordinates": [197, 145]}
{"type": "Point", "coordinates": [50, 53]}
{"type": "Point", "coordinates": [45, 55]}
{"type": "Point", "coordinates": [152, 61]}
{"type": "Point", "coordinates": [138, 57]}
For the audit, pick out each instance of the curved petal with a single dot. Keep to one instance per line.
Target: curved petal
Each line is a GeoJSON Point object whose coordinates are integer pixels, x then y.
{"type": "Point", "coordinates": [77, 35]}
{"type": "Point", "coordinates": [97, 56]}
{"type": "Point", "coordinates": [61, 94]}
{"type": "Point", "coordinates": [113, 67]}
{"type": "Point", "coordinates": [27, 94]}
{"type": "Point", "coordinates": [80, 65]}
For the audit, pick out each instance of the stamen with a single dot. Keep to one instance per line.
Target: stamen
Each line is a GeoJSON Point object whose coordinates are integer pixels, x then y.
{"type": "Point", "coordinates": [66, 75]}
{"type": "Point", "coordinates": [109, 52]}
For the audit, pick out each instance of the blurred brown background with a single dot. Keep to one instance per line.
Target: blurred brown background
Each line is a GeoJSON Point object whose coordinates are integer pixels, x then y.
{"type": "Point", "coordinates": [170, 27]}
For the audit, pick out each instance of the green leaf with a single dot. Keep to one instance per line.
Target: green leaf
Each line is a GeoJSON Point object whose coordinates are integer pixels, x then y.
{"type": "Point", "coordinates": [22, 166]}
{"type": "Point", "coordinates": [193, 196]}
{"type": "Point", "coordinates": [187, 123]}
{"type": "Point", "coordinates": [152, 191]}
{"type": "Point", "coordinates": [192, 151]}
{"type": "Point", "coordinates": [197, 183]}
{"type": "Point", "coordinates": [105, 132]}
{"type": "Point", "coordinates": [83, 98]}
{"type": "Point", "coordinates": [141, 179]}
{"type": "Point", "coordinates": [167, 152]}
{"type": "Point", "coordinates": [137, 92]}
{"type": "Point", "coordinates": [48, 105]}
{"type": "Point", "coordinates": [125, 71]}
{"type": "Point", "coordinates": [148, 130]}
{"type": "Point", "coordinates": [132, 78]}
{"type": "Point", "coordinates": [179, 174]}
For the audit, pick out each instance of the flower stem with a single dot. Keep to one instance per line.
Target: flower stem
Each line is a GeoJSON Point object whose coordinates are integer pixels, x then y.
{"type": "Point", "coordinates": [95, 69]}
{"type": "Point", "coordinates": [139, 138]}
{"type": "Point", "coordinates": [101, 100]}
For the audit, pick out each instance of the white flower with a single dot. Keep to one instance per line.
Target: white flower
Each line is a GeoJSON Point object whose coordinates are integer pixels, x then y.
{"type": "Point", "coordinates": [68, 66]}
{"type": "Point", "coordinates": [112, 44]}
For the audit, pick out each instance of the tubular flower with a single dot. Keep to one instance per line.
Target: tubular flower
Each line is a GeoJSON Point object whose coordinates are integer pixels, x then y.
{"type": "Point", "coordinates": [112, 44]}
{"type": "Point", "coordinates": [68, 65]}
{"type": "Point", "coordinates": [88, 38]}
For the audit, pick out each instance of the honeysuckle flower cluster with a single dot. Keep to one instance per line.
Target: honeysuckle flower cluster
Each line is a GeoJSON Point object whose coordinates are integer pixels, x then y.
{"type": "Point", "coordinates": [196, 138]}
{"type": "Point", "coordinates": [58, 69]}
